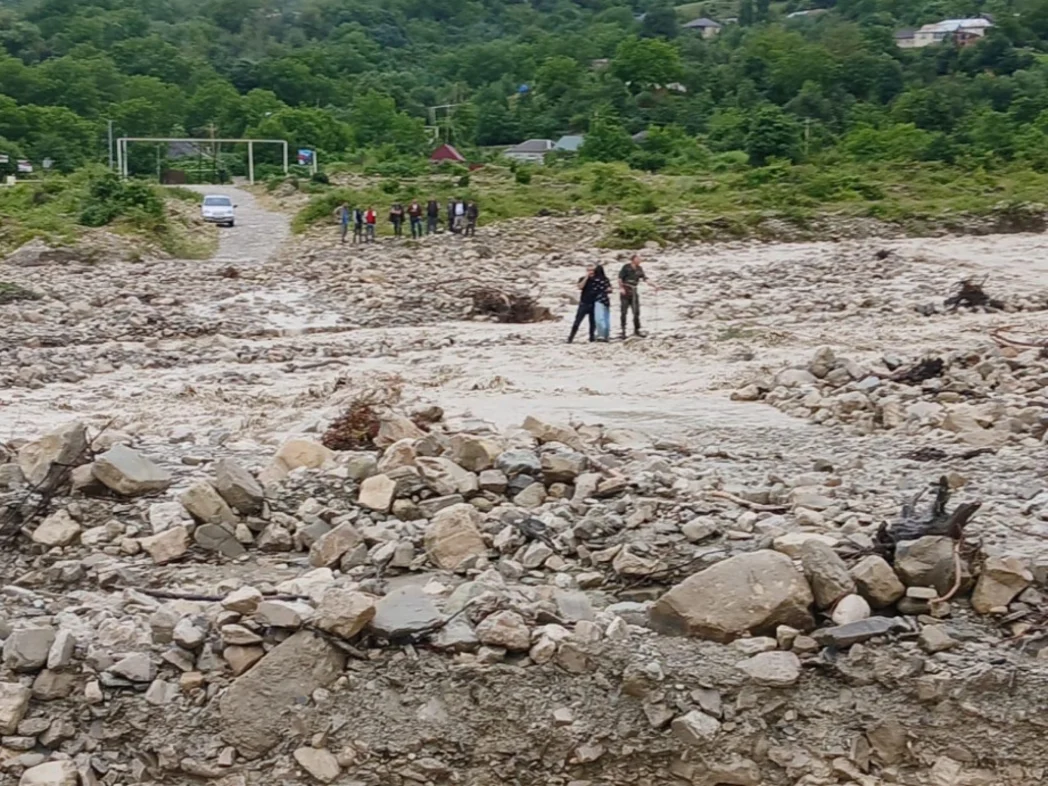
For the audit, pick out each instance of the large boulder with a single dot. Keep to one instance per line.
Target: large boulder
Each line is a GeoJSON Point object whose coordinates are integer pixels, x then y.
{"type": "Point", "coordinates": [751, 593]}
{"type": "Point", "coordinates": [929, 562]}
{"type": "Point", "coordinates": [257, 709]}
{"type": "Point", "coordinates": [238, 487]}
{"type": "Point", "coordinates": [453, 537]}
{"type": "Point", "coordinates": [129, 473]}
{"type": "Point", "coordinates": [62, 448]}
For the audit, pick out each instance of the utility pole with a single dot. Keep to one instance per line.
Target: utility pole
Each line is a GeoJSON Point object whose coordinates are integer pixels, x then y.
{"type": "Point", "coordinates": [807, 135]}
{"type": "Point", "coordinates": [214, 153]}
{"type": "Point", "coordinates": [110, 124]}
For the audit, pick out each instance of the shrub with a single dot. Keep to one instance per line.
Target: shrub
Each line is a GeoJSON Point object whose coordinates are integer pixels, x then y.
{"type": "Point", "coordinates": [634, 233]}
{"type": "Point", "coordinates": [522, 176]}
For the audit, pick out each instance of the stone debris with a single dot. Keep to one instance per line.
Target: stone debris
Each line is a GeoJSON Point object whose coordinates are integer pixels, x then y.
{"type": "Point", "coordinates": [549, 561]}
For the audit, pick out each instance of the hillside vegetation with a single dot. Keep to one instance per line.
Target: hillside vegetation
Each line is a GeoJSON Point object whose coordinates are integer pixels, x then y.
{"type": "Point", "coordinates": [354, 78]}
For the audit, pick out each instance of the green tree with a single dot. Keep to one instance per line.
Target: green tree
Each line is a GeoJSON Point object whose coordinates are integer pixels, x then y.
{"type": "Point", "coordinates": [646, 62]}
{"type": "Point", "coordinates": [660, 22]}
{"type": "Point", "coordinates": [607, 140]}
{"type": "Point", "coordinates": [772, 134]}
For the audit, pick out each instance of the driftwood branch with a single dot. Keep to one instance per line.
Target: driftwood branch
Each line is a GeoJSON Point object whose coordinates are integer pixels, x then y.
{"type": "Point", "coordinates": [745, 503]}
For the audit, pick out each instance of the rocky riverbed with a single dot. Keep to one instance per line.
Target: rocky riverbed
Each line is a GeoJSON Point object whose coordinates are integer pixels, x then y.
{"type": "Point", "coordinates": [670, 559]}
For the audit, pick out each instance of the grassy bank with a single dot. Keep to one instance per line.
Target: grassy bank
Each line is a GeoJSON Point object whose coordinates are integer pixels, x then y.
{"type": "Point", "coordinates": [64, 210]}
{"type": "Point", "coordinates": [727, 203]}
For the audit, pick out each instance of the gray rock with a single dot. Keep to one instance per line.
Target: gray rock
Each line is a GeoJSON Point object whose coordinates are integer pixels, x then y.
{"type": "Point", "coordinates": [58, 529]}
{"type": "Point", "coordinates": [563, 466]}
{"type": "Point", "coordinates": [283, 613]}
{"type": "Point", "coordinates": [428, 508]}
{"type": "Point", "coordinates": [826, 572]}
{"type": "Point", "coordinates": [62, 772]}
{"type": "Point", "coordinates": [934, 638]}
{"type": "Point", "coordinates": [238, 487]}
{"type": "Point", "coordinates": [695, 728]}
{"type": "Point", "coordinates": [215, 537]}
{"type": "Point", "coordinates": [14, 701]}
{"type": "Point", "coordinates": [129, 473]}
{"type": "Point", "coordinates": [519, 462]}
{"type": "Point", "coordinates": [493, 480]}
{"type": "Point", "coordinates": [137, 667]}
{"type": "Point", "coordinates": [753, 592]}
{"type": "Point", "coordinates": [772, 669]}
{"type": "Point", "coordinates": [404, 611]}
{"type": "Point", "coordinates": [26, 649]}
{"type": "Point", "coordinates": [319, 763]}
{"type": "Point", "coordinates": [928, 562]}
{"type": "Point", "coordinates": [453, 537]}
{"type": "Point", "coordinates": [256, 710]}
{"type": "Point", "coordinates": [61, 448]}
{"type": "Point", "coordinates": [855, 632]}
{"type": "Point", "coordinates": [877, 582]}
{"type": "Point", "coordinates": [206, 505]}
{"type": "Point", "coordinates": [329, 548]}
{"type": "Point", "coordinates": [573, 606]}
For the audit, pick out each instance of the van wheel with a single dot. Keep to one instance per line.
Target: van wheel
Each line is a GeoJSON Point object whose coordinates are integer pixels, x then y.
{"type": "Point", "coordinates": [230, 224]}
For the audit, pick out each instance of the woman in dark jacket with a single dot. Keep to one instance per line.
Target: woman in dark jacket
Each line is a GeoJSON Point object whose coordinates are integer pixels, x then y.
{"type": "Point", "coordinates": [590, 289]}
{"type": "Point", "coordinates": [602, 305]}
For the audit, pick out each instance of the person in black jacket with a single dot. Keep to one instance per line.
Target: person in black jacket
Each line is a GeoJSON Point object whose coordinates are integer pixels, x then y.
{"type": "Point", "coordinates": [432, 216]}
{"type": "Point", "coordinates": [472, 214]}
{"type": "Point", "coordinates": [396, 217]}
{"type": "Point", "coordinates": [590, 288]}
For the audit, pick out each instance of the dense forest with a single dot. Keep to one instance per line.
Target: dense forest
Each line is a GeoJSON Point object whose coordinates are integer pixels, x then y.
{"type": "Point", "coordinates": [355, 78]}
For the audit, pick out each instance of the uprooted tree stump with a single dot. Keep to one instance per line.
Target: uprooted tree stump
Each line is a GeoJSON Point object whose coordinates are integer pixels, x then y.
{"type": "Point", "coordinates": [936, 520]}
{"type": "Point", "coordinates": [358, 425]}
{"type": "Point", "coordinates": [506, 307]}
{"type": "Point", "coordinates": [929, 368]}
{"type": "Point", "coordinates": [970, 294]}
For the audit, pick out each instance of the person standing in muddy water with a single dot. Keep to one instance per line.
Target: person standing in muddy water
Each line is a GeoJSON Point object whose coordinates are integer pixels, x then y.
{"type": "Point", "coordinates": [629, 296]}
{"type": "Point", "coordinates": [589, 293]}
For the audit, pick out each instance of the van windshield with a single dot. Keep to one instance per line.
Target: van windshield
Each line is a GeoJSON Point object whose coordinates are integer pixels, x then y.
{"type": "Point", "coordinates": [218, 201]}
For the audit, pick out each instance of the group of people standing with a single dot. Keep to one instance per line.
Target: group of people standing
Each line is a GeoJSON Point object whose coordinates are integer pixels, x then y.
{"type": "Point", "coordinates": [595, 289]}
{"type": "Point", "coordinates": [461, 215]}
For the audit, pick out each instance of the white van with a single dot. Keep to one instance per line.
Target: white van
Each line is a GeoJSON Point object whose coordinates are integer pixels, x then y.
{"type": "Point", "coordinates": [218, 209]}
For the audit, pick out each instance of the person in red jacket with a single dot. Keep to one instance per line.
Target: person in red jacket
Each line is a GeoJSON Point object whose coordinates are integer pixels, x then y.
{"type": "Point", "coordinates": [370, 220]}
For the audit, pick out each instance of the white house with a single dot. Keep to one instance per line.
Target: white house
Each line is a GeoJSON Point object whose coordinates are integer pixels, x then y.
{"type": "Point", "coordinates": [531, 152]}
{"type": "Point", "coordinates": [962, 31]}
